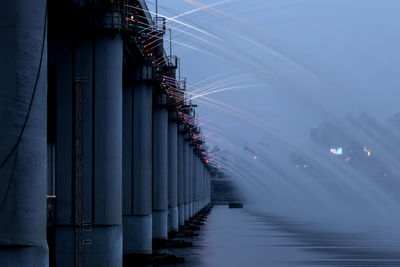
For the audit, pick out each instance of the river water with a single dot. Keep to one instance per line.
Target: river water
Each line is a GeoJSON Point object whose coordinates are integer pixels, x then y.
{"type": "Point", "coordinates": [241, 237]}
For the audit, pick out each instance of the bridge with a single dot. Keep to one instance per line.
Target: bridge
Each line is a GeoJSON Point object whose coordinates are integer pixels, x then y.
{"type": "Point", "coordinates": [100, 150]}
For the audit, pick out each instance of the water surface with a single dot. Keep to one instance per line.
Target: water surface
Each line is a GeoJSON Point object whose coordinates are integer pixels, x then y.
{"type": "Point", "coordinates": [241, 237]}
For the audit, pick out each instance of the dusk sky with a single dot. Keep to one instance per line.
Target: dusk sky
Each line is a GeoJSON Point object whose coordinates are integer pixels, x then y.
{"type": "Point", "coordinates": [290, 64]}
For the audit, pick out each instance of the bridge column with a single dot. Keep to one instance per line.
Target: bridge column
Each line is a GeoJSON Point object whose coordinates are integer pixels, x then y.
{"type": "Point", "coordinates": [106, 235]}
{"type": "Point", "coordinates": [160, 167]}
{"type": "Point", "coordinates": [85, 70]}
{"type": "Point", "coordinates": [209, 189]}
{"type": "Point", "coordinates": [195, 182]}
{"type": "Point", "coordinates": [23, 53]}
{"type": "Point", "coordinates": [173, 170]}
{"type": "Point", "coordinates": [204, 184]}
{"type": "Point", "coordinates": [137, 194]}
{"type": "Point", "coordinates": [181, 191]}
{"type": "Point", "coordinates": [186, 174]}
{"type": "Point", "coordinates": [199, 178]}
{"type": "Point", "coordinates": [200, 165]}
{"type": "Point", "coordinates": [201, 184]}
{"type": "Point", "coordinates": [191, 171]}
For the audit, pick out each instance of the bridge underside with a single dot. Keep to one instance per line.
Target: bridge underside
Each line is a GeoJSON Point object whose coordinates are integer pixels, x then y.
{"type": "Point", "coordinates": [94, 118]}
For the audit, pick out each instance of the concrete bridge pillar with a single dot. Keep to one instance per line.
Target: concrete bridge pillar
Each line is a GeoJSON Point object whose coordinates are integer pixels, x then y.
{"type": "Point", "coordinates": [106, 234]}
{"type": "Point", "coordinates": [137, 179]}
{"type": "Point", "coordinates": [181, 192]}
{"type": "Point", "coordinates": [186, 174]}
{"type": "Point", "coordinates": [23, 76]}
{"type": "Point", "coordinates": [204, 185]}
{"type": "Point", "coordinates": [85, 71]}
{"type": "Point", "coordinates": [160, 167]}
{"type": "Point", "coordinates": [195, 181]}
{"type": "Point", "coordinates": [95, 231]}
{"type": "Point", "coordinates": [191, 173]}
{"type": "Point", "coordinates": [200, 165]}
{"type": "Point", "coordinates": [173, 171]}
{"type": "Point", "coordinates": [209, 187]}
{"type": "Point", "coordinates": [88, 82]}
{"type": "Point", "coordinates": [201, 184]}
{"type": "Point", "coordinates": [201, 180]}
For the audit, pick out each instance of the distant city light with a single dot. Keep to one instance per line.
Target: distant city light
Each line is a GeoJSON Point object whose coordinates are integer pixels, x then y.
{"type": "Point", "coordinates": [301, 166]}
{"type": "Point", "coordinates": [337, 151]}
{"type": "Point", "coordinates": [255, 157]}
{"type": "Point", "coordinates": [367, 151]}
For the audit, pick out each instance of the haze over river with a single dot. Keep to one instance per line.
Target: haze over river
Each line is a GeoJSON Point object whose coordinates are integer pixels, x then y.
{"type": "Point", "coordinates": [242, 237]}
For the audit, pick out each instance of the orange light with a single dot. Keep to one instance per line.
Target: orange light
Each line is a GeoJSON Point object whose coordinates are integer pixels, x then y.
{"type": "Point", "coordinates": [367, 151]}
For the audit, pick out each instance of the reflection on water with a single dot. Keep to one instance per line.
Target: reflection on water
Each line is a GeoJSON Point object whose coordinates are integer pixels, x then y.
{"type": "Point", "coordinates": [240, 237]}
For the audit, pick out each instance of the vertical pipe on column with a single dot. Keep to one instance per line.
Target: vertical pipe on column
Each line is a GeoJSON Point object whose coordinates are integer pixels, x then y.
{"type": "Point", "coordinates": [23, 115]}
{"type": "Point", "coordinates": [160, 168]}
{"type": "Point", "coordinates": [173, 171]}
